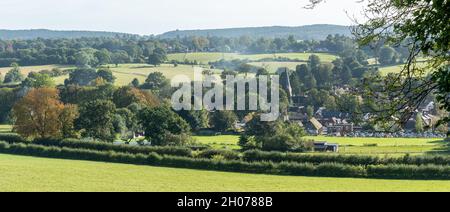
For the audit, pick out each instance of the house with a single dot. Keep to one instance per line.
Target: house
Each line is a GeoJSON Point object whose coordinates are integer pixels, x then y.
{"type": "Point", "coordinates": [326, 147]}
{"type": "Point", "coordinates": [314, 127]}
{"type": "Point", "coordinates": [341, 129]}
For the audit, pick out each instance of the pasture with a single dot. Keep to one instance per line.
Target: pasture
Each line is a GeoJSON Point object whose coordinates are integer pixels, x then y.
{"type": "Point", "coordinates": [385, 70]}
{"type": "Point", "coordinates": [5, 128]}
{"type": "Point", "coordinates": [273, 67]}
{"type": "Point", "coordinates": [206, 57]}
{"type": "Point", "coordinates": [19, 173]}
{"type": "Point", "coordinates": [219, 142]}
{"type": "Point", "coordinates": [125, 73]}
{"type": "Point", "coordinates": [363, 146]}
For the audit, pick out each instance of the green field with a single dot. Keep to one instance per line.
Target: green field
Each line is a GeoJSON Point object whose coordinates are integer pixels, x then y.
{"type": "Point", "coordinates": [272, 67]}
{"type": "Point", "coordinates": [388, 146]}
{"type": "Point", "coordinates": [366, 146]}
{"type": "Point", "coordinates": [219, 142]}
{"type": "Point", "coordinates": [18, 173]}
{"type": "Point", "coordinates": [25, 70]}
{"type": "Point", "coordinates": [205, 58]}
{"type": "Point", "coordinates": [5, 128]}
{"type": "Point", "coordinates": [385, 70]}
{"type": "Point", "coordinates": [125, 73]}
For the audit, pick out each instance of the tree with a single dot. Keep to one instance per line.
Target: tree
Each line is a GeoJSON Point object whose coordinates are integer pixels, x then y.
{"type": "Point", "coordinates": [96, 120]}
{"type": "Point", "coordinates": [424, 24]}
{"type": "Point", "coordinates": [314, 62]}
{"type": "Point", "coordinates": [244, 68]}
{"type": "Point", "coordinates": [310, 81]}
{"type": "Point", "coordinates": [85, 58]}
{"type": "Point", "coordinates": [13, 75]}
{"type": "Point", "coordinates": [387, 55]}
{"type": "Point", "coordinates": [107, 75]}
{"type": "Point", "coordinates": [120, 57]}
{"type": "Point", "coordinates": [103, 57]}
{"type": "Point", "coordinates": [295, 84]}
{"type": "Point", "coordinates": [158, 56]}
{"type": "Point", "coordinates": [160, 124]}
{"type": "Point", "coordinates": [81, 76]}
{"type": "Point", "coordinates": [224, 120]}
{"type": "Point", "coordinates": [310, 111]}
{"type": "Point", "coordinates": [67, 117]}
{"type": "Point", "coordinates": [125, 96]}
{"type": "Point", "coordinates": [135, 83]}
{"type": "Point", "coordinates": [37, 80]}
{"type": "Point", "coordinates": [274, 136]}
{"type": "Point", "coordinates": [156, 81]}
{"type": "Point", "coordinates": [197, 119]}
{"type": "Point", "coordinates": [262, 72]}
{"type": "Point", "coordinates": [324, 75]}
{"type": "Point", "coordinates": [346, 75]}
{"type": "Point", "coordinates": [38, 114]}
{"type": "Point", "coordinates": [419, 123]}
{"type": "Point", "coordinates": [126, 123]}
{"type": "Point", "coordinates": [226, 73]}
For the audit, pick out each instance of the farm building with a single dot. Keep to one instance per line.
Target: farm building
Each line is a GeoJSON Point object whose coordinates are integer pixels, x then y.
{"type": "Point", "coordinates": [326, 147]}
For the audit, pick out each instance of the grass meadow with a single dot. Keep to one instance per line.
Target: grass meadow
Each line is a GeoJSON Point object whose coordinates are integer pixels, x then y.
{"type": "Point", "coordinates": [206, 57]}
{"type": "Point", "coordinates": [19, 173]}
{"type": "Point", "coordinates": [364, 146]}
{"type": "Point", "coordinates": [5, 128]}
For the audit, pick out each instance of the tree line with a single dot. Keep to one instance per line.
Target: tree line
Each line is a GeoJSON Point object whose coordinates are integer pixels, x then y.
{"type": "Point", "coordinates": [118, 50]}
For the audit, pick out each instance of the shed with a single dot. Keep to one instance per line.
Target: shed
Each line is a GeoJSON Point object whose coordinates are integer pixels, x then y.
{"type": "Point", "coordinates": [326, 147]}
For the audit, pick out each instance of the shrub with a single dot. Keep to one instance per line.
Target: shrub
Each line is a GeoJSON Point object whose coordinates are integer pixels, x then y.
{"type": "Point", "coordinates": [409, 172]}
{"type": "Point", "coordinates": [255, 155]}
{"type": "Point", "coordinates": [101, 146]}
{"type": "Point", "coordinates": [11, 138]}
{"type": "Point", "coordinates": [226, 154]}
{"type": "Point", "coordinates": [308, 158]}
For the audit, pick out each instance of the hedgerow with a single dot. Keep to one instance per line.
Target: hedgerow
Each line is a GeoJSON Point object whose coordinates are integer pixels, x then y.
{"type": "Point", "coordinates": [227, 154]}
{"type": "Point", "coordinates": [11, 138]}
{"type": "Point", "coordinates": [283, 168]}
{"type": "Point", "coordinates": [255, 155]}
{"type": "Point", "coordinates": [102, 146]}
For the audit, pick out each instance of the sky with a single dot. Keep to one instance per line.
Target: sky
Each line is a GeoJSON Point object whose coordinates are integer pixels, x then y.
{"type": "Point", "coordinates": [147, 17]}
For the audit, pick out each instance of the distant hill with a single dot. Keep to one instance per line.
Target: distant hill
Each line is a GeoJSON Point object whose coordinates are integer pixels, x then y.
{"type": "Point", "coordinates": [311, 32]}
{"type": "Point", "coordinates": [49, 34]}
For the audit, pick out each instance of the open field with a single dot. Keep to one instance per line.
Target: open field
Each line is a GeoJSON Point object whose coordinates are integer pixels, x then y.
{"type": "Point", "coordinates": [385, 70]}
{"type": "Point", "coordinates": [125, 73]}
{"type": "Point", "coordinates": [25, 70]}
{"type": "Point", "coordinates": [18, 173]}
{"type": "Point", "coordinates": [272, 67]}
{"type": "Point", "coordinates": [388, 146]}
{"type": "Point", "coordinates": [366, 146]}
{"type": "Point", "coordinates": [207, 57]}
{"type": "Point", "coordinates": [5, 128]}
{"type": "Point", "coordinates": [219, 142]}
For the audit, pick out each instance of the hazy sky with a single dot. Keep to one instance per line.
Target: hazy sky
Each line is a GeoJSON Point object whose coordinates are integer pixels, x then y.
{"type": "Point", "coordinates": [157, 16]}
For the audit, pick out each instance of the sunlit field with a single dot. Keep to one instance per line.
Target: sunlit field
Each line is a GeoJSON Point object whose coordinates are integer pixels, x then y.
{"type": "Point", "coordinates": [19, 173]}
{"type": "Point", "coordinates": [272, 67]}
{"type": "Point", "coordinates": [219, 142]}
{"type": "Point", "coordinates": [398, 68]}
{"type": "Point", "coordinates": [5, 128]}
{"type": "Point", "coordinates": [124, 73]}
{"type": "Point", "coordinates": [365, 146]}
{"type": "Point", "coordinates": [25, 70]}
{"type": "Point", "coordinates": [205, 58]}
